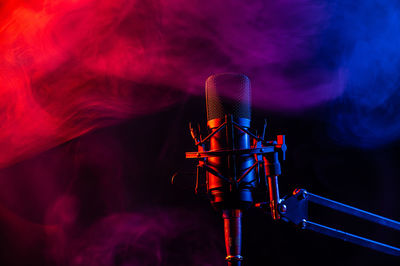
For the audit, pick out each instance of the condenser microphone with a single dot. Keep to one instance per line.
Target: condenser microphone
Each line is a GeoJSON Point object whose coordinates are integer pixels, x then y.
{"type": "Point", "coordinates": [228, 100]}
{"type": "Point", "coordinates": [237, 162]}
{"type": "Point", "coordinates": [230, 183]}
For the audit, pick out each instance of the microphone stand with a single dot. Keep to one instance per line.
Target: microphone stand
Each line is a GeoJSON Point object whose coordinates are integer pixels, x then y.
{"type": "Point", "coordinates": [292, 208]}
{"type": "Point", "coordinates": [233, 236]}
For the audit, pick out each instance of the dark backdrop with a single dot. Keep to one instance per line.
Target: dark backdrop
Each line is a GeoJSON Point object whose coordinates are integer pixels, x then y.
{"type": "Point", "coordinates": [106, 198]}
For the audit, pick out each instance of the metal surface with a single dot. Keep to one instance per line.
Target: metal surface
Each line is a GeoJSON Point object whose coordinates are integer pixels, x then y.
{"type": "Point", "coordinates": [353, 211]}
{"type": "Point", "coordinates": [206, 154]}
{"type": "Point", "coordinates": [297, 213]}
{"type": "Point", "coordinates": [355, 239]}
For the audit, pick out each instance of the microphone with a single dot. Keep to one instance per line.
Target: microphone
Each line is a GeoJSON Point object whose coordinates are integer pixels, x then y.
{"type": "Point", "coordinates": [238, 164]}
{"type": "Point", "coordinates": [227, 194]}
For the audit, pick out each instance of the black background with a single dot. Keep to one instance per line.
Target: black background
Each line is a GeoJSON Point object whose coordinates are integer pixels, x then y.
{"type": "Point", "coordinates": [126, 169]}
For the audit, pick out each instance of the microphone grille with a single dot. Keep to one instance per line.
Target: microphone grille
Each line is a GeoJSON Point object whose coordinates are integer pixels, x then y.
{"type": "Point", "coordinates": [237, 89]}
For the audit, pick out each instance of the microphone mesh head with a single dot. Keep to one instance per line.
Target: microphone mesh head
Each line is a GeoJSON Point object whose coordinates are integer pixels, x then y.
{"type": "Point", "coordinates": [228, 93]}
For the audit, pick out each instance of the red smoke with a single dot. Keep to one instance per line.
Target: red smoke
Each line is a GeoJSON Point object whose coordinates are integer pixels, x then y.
{"type": "Point", "coordinates": [70, 66]}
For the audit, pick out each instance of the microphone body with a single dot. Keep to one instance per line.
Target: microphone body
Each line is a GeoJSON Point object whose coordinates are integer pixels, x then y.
{"type": "Point", "coordinates": [228, 193]}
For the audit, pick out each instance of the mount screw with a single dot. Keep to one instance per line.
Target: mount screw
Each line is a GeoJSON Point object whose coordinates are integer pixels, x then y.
{"type": "Point", "coordinates": [303, 224]}
{"type": "Point", "coordinates": [282, 208]}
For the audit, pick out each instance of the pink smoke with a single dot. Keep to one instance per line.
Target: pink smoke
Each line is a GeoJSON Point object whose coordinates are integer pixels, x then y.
{"type": "Point", "coordinates": [163, 237]}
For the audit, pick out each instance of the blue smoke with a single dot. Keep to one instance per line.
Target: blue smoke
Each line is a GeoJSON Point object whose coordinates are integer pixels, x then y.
{"type": "Point", "coordinates": [363, 38]}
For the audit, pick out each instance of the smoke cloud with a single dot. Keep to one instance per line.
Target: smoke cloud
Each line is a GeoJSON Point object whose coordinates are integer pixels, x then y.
{"type": "Point", "coordinates": [366, 35]}
{"type": "Point", "coordinates": [71, 66]}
